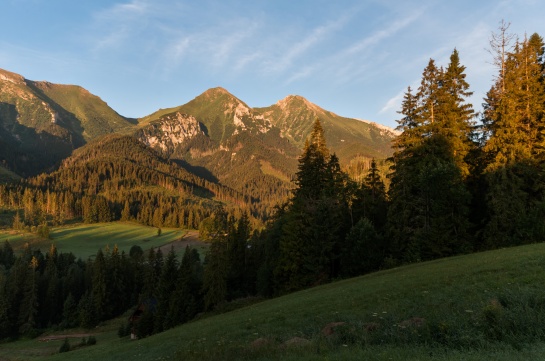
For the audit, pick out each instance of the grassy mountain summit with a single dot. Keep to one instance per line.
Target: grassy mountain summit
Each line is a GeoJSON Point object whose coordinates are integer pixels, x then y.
{"type": "Point", "coordinates": [347, 137]}
{"type": "Point", "coordinates": [221, 113]}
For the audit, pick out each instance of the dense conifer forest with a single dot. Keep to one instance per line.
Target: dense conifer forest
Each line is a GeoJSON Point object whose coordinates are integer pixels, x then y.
{"type": "Point", "coordinates": [459, 182]}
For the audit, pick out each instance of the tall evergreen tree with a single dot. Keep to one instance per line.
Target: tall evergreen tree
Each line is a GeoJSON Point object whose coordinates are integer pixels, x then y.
{"type": "Point", "coordinates": [53, 300]}
{"type": "Point", "coordinates": [427, 216]}
{"type": "Point", "coordinates": [185, 302]}
{"type": "Point", "coordinates": [100, 288]}
{"type": "Point", "coordinates": [216, 268]}
{"type": "Point", "coordinates": [317, 218]}
{"type": "Point", "coordinates": [429, 97]}
{"type": "Point", "coordinates": [371, 201]}
{"type": "Point", "coordinates": [363, 250]}
{"type": "Point", "coordinates": [6, 329]}
{"type": "Point", "coordinates": [513, 119]}
{"type": "Point", "coordinates": [165, 287]}
{"type": "Point", "coordinates": [456, 123]}
{"type": "Point", "coordinates": [429, 202]}
{"type": "Point", "coordinates": [29, 303]}
{"type": "Point", "coordinates": [408, 125]}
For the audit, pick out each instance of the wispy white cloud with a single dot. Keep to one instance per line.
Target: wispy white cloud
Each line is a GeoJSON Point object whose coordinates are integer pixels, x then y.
{"type": "Point", "coordinates": [382, 34]}
{"type": "Point", "coordinates": [229, 44]}
{"type": "Point", "coordinates": [393, 104]}
{"type": "Point", "coordinates": [215, 48]}
{"type": "Point", "coordinates": [349, 63]}
{"type": "Point", "coordinates": [298, 49]}
{"type": "Point", "coordinates": [302, 73]}
{"type": "Point", "coordinates": [124, 12]}
{"type": "Point", "coordinates": [244, 61]}
{"type": "Point", "coordinates": [115, 25]}
{"type": "Point", "coordinates": [180, 47]}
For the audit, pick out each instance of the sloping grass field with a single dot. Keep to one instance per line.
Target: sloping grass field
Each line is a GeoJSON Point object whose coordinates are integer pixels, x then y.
{"type": "Point", "coordinates": [85, 240]}
{"type": "Point", "coordinates": [483, 306]}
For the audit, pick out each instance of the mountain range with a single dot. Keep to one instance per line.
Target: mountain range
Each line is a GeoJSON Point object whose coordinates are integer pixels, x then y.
{"type": "Point", "coordinates": [216, 136]}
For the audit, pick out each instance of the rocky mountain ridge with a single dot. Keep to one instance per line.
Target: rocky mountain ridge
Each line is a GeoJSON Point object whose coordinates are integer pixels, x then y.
{"type": "Point", "coordinates": [41, 123]}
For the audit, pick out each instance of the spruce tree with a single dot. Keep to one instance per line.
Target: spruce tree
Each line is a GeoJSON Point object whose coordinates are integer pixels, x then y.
{"type": "Point", "coordinates": [165, 287]}
{"type": "Point", "coordinates": [126, 212]}
{"type": "Point", "coordinates": [70, 312]}
{"type": "Point", "coordinates": [316, 219]}
{"type": "Point", "coordinates": [456, 123]}
{"type": "Point", "coordinates": [429, 97]}
{"type": "Point", "coordinates": [215, 274]}
{"type": "Point", "coordinates": [184, 301]}
{"type": "Point", "coordinates": [513, 119]}
{"type": "Point", "coordinates": [237, 241]}
{"type": "Point", "coordinates": [429, 165]}
{"type": "Point", "coordinates": [52, 302]}
{"type": "Point", "coordinates": [100, 287]}
{"type": "Point", "coordinates": [6, 328]}
{"type": "Point", "coordinates": [363, 250]}
{"type": "Point", "coordinates": [371, 201]}
{"type": "Point", "coordinates": [29, 304]}
{"type": "Point", "coordinates": [408, 125]}
{"type": "Point", "coordinates": [428, 213]}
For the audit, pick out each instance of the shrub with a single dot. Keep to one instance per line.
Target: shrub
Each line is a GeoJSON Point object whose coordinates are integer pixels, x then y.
{"type": "Point", "coordinates": [124, 330]}
{"type": "Point", "coordinates": [91, 341]}
{"type": "Point", "coordinates": [65, 347]}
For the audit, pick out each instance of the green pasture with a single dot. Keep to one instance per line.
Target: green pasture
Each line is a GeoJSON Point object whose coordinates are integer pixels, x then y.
{"type": "Point", "coordinates": [483, 306]}
{"type": "Point", "coordinates": [86, 239]}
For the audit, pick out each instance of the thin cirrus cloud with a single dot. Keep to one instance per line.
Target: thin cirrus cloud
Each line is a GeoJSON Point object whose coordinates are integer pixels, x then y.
{"type": "Point", "coordinates": [349, 62]}
{"type": "Point", "coordinates": [471, 44]}
{"type": "Point", "coordinates": [213, 49]}
{"type": "Point", "coordinates": [114, 26]}
{"type": "Point", "coordinates": [299, 48]}
{"type": "Point", "coordinates": [240, 44]}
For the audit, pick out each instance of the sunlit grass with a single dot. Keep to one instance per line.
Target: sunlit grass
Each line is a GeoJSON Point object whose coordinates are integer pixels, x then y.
{"type": "Point", "coordinates": [85, 240]}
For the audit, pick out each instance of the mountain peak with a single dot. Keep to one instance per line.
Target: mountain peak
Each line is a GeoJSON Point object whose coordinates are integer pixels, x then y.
{"type": "Point", "coordinates": [222, 95]}
{"type": "Point", "coordinates": [217, 91]}
{"type": "Point", "coordinates": [297, 101]}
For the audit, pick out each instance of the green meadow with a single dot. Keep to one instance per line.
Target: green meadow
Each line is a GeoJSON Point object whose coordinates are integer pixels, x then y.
{"type": "Point", "coordinates": [85, 240]}
{"type": "Point", "coordinates": [483, 306]}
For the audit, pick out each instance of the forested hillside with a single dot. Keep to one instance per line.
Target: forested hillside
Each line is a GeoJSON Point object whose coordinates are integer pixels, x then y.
{"type": "Point", "coordinates": [117, 178]}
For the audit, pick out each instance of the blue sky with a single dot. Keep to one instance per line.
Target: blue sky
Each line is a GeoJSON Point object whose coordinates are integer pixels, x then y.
{"type": "Point", "coordinates": [353, 57]}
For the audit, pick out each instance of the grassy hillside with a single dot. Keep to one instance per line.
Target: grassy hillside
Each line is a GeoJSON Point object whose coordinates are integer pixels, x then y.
{"type": "Point", "coordinates": [347, 137]}
{"type": "Point", "coordinates": [476, 307]}
{"type": "Point", "coordinates": [95, 117]}
{"type": "Point", "coordinates": [41, 123]}
{"type": "Point", "coordinates": [85, 240]}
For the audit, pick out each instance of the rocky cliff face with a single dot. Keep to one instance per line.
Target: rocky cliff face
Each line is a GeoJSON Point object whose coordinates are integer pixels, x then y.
{"type": "Point", "coordinates": [169, 131]}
